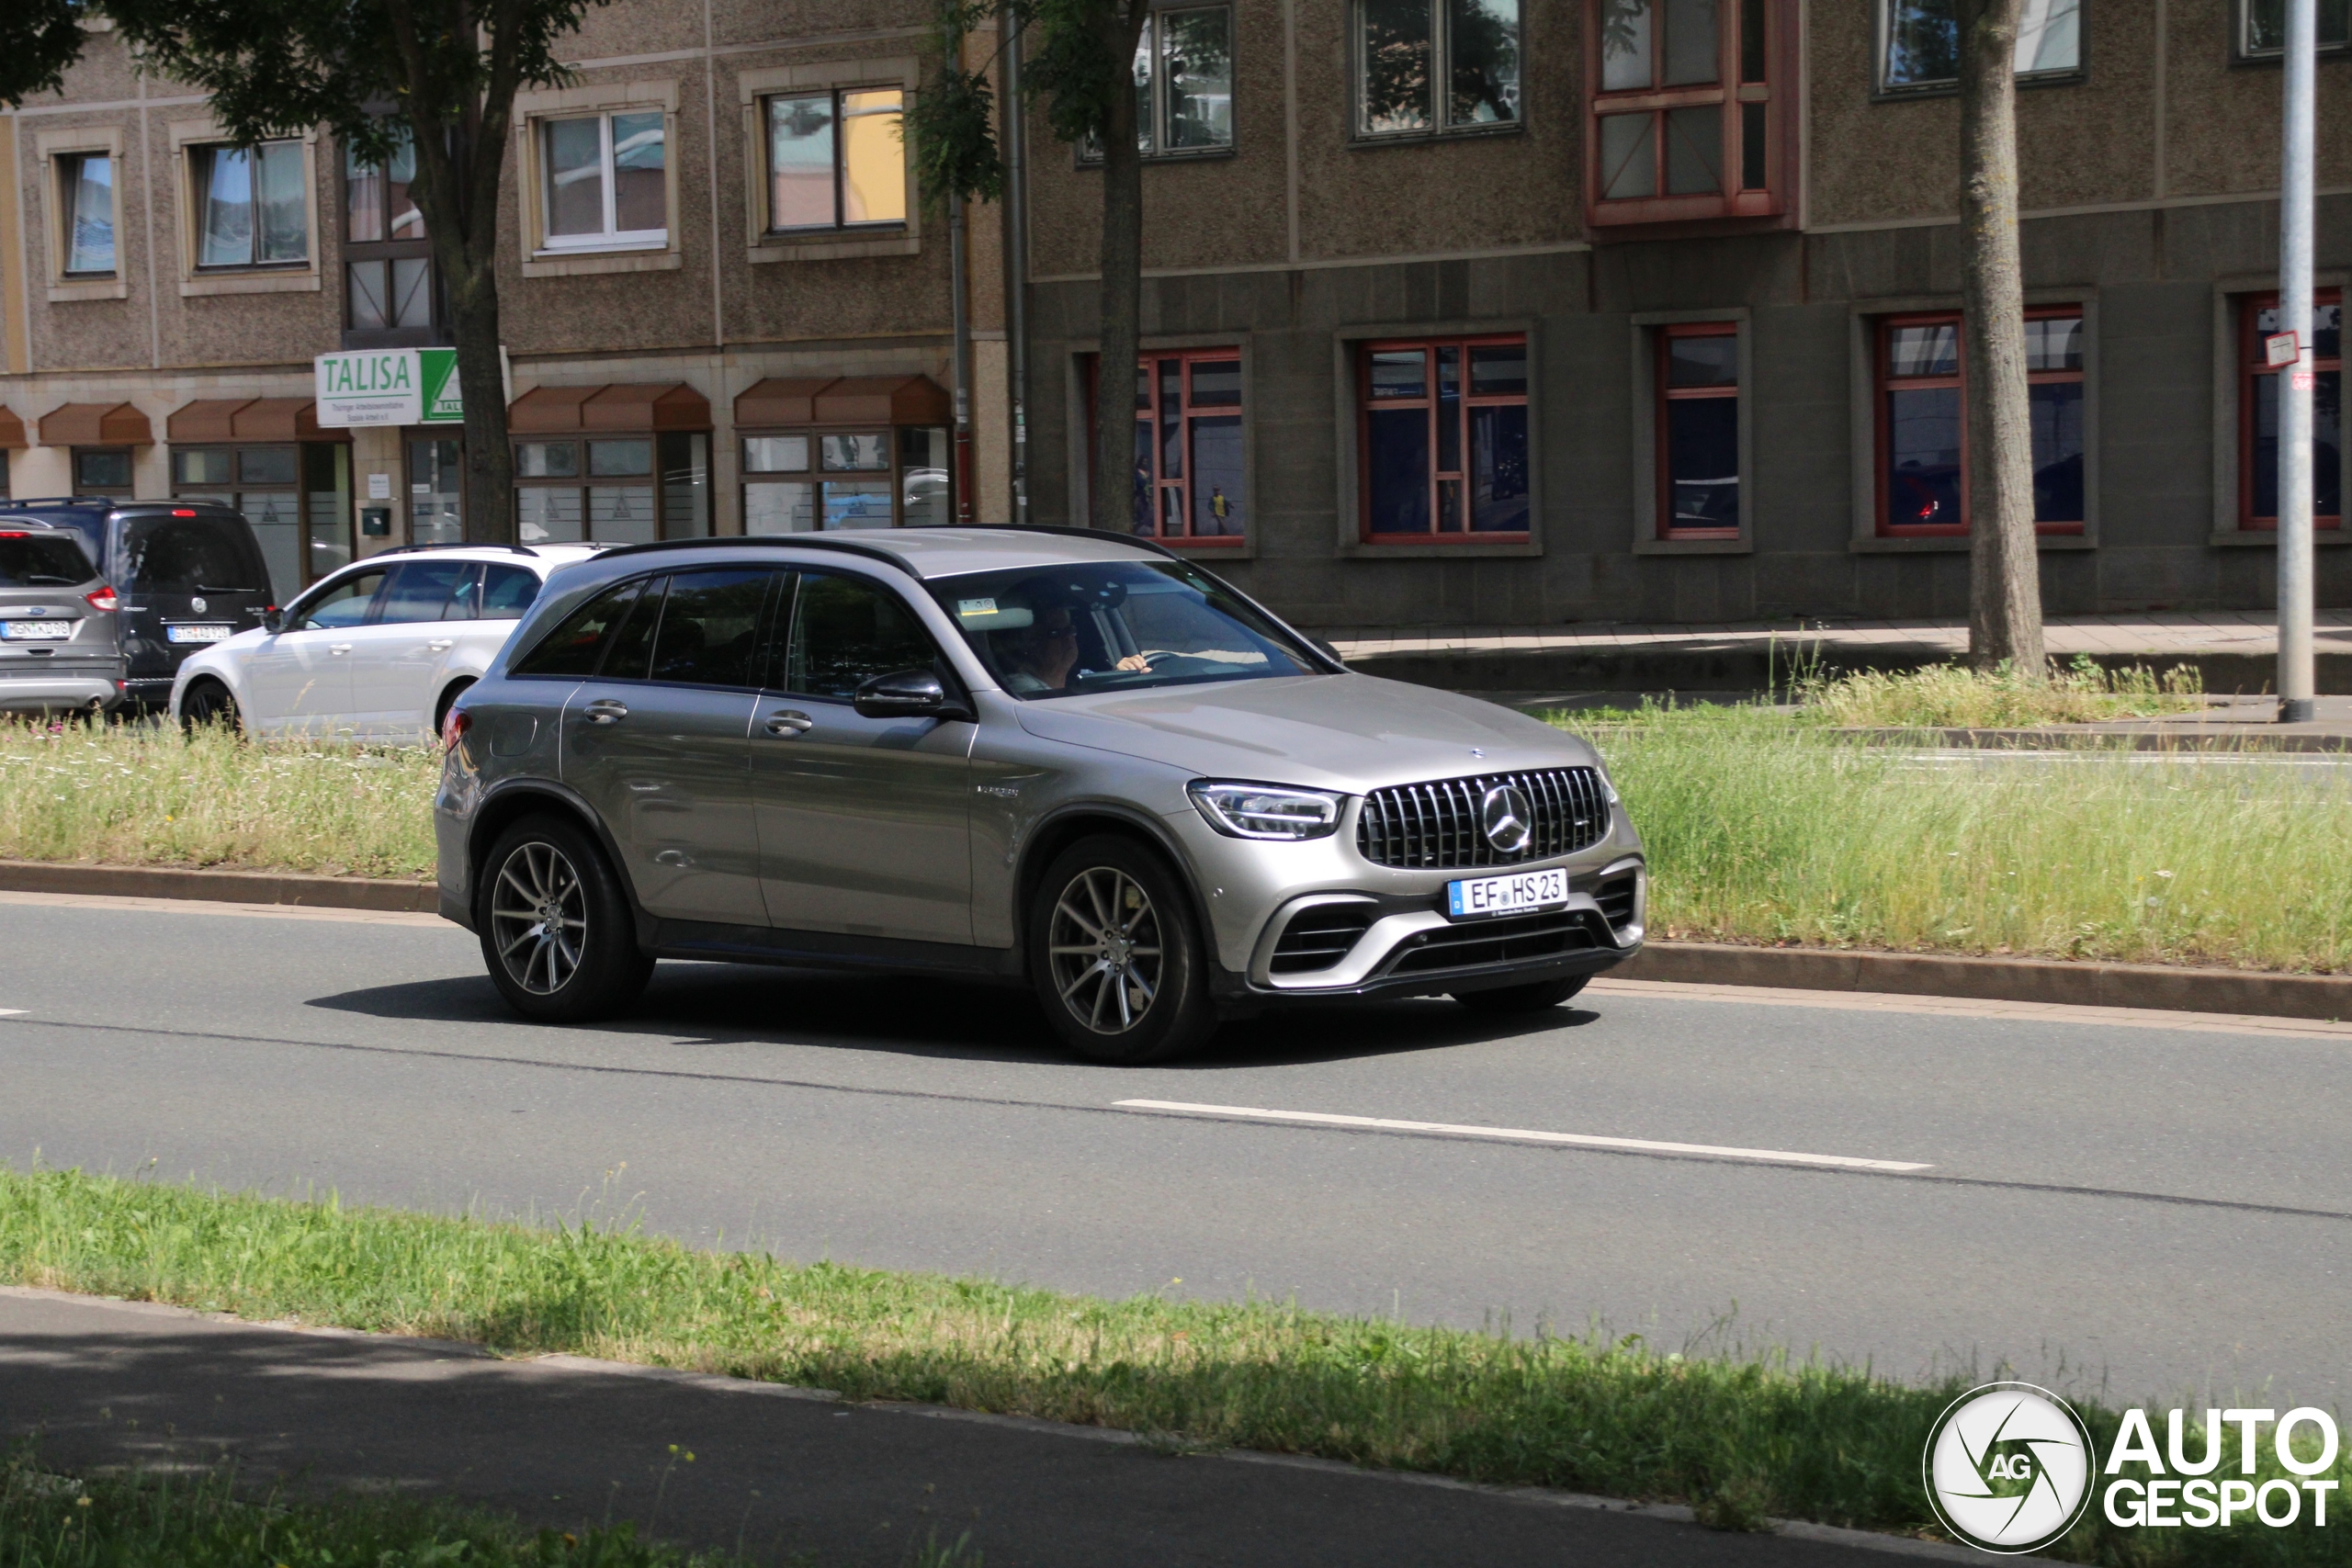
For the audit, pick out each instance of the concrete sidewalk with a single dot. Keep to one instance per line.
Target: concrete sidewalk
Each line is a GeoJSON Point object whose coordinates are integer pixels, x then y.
{"type": "Point", "coordinates": [567, 1442]}
{"type": "Point", "coordinates": [2235, 650]}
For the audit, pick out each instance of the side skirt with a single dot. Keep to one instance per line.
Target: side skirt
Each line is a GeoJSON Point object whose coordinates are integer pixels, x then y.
{"type": "Point", "coordinates": [835, 950]}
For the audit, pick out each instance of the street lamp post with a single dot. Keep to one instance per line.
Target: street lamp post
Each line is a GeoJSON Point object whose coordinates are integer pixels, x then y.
{"type": "Point", "coordinates": [2297, 679]}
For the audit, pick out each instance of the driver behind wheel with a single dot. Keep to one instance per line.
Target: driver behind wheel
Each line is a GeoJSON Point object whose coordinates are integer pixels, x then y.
{"type": "Point", "coordinates": [1041, 655]}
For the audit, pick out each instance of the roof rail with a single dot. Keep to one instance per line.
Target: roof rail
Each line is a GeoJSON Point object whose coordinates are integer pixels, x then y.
{"type": "Point", "coordinates": [449, 544]}
{"type": "Point", "coordinates": [56, 501]}
{"type": "Point", "coordinates": [1102, 534]}
{"type": "Point", "coordinates": [784, 541]}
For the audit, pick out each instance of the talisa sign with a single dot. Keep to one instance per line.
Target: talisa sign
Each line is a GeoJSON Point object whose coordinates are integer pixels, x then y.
{"type": "Point", "coordinates": [390, 385]}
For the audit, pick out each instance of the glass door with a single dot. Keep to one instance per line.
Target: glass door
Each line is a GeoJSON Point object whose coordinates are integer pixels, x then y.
{"type": "Point", "coordinates": [432, 514]}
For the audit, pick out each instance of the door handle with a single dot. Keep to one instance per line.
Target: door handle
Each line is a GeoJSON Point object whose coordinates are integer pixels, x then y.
{"type": "Point", "coordinates": [785, 723]}
{"type": "Point", "coordinates": [338, 647]}
{"type": "Point", "coordinates": [441, 644]}
{"type": "Point", "coordinates": [606, 710]}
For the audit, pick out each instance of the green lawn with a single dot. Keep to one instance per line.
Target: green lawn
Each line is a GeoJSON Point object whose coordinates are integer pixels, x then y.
{"type": "Point", "coordinates": [1740, 1436]}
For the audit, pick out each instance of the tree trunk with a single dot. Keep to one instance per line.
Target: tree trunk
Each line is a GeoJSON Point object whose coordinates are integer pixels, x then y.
{"type": "Point", "coordinates": [2004, 585]}
{"type": "Point", "coordinates": [1121, 302]}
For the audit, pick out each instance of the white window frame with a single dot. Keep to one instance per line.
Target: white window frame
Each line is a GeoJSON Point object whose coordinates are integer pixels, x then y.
{"type": "Point", "coordinates": [577, 255]}
{"type": "Point", "coordinates": [611, 238]}
{"type": "Point", "coordinates": [52, 147]}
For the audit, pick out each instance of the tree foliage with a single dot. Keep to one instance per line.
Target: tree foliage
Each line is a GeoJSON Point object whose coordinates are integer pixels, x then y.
{"type": "Point", "coordinates": [39, 39]}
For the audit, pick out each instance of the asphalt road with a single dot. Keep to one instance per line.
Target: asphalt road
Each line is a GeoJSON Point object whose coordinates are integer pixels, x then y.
{"type": "Point", "coordinates": [2139, 1207]}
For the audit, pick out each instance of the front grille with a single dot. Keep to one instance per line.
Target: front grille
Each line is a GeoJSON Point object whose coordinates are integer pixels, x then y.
{"type": "Point", "coordinates": [1513, 939]}
{"type": "Point", "coordinates": [1319, 937]}
{"type": "Point", "coordinates": [1615, 897]}
{"type": "Point", "coordinates": [1436, 825]}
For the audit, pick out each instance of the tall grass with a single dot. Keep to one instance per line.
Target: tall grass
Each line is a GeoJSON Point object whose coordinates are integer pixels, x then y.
{"type": "Point", "coordinates": [1945, 696]}
{"type": "Point", "coordinates": [142, 796]}
{"type": "Point", "coordinates": [1765, 831]}
{"type": "Point", "coordinates": [1741, 1436]}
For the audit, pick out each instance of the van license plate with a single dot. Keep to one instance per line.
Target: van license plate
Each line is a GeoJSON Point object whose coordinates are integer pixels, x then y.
{"type": "Point", "coordinates": [1507, 894]}
{"type": "Point", "coordinates": [196, 634]}
{"type": "Point", "coordinates": [37, 631]}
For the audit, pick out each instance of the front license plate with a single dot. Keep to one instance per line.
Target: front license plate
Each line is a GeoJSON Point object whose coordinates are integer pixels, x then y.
{"type": "Point", "coordinates": [37, 631]}
{"type": "Point", "coordinates": [1507, 894]}
{"type": "Point", "coordinates": [196, 634]}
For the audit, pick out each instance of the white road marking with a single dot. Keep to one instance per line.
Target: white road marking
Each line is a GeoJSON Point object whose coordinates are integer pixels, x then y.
{"type": "Point", "coordinates": [215, 906]}
{"type": "Point", "coordinates": [1519, 1136]}
{"type": "Point", "coordinates": [12, 1012]}
{"type": "Point", "coordinates": [1971, 1007]}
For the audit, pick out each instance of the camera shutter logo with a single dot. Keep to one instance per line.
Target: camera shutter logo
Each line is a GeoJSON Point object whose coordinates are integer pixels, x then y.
{"type": "Point", "coordinates": [2010, 1467]}
{"type": "Point", "coordinates": [1506, 818]}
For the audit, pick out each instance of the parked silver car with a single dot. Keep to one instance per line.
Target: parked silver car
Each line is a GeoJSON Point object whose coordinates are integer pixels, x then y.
{"type": "Point", "coordinates": [1064, 760]}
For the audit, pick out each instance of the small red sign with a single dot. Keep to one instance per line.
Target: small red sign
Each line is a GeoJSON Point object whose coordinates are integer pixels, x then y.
{"type": "Point", "coordinates": [2306, 381]}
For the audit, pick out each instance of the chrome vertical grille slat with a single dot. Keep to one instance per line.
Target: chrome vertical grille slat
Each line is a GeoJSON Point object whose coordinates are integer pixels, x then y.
{"type": "Point", "coordinates": [1438, 825]}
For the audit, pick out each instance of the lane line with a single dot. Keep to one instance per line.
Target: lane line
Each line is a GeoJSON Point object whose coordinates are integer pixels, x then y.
{"type": "Point", "coordinates": [1971, 1007]}
{"type": "Point", "coordinates": [1519, 1136]}
{"type": "Point", "coordinates": [1992, 1183]}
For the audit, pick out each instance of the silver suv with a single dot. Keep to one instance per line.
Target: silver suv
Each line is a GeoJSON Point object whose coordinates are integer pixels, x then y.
{"type": "Point", "coordinates": [1062, 759]}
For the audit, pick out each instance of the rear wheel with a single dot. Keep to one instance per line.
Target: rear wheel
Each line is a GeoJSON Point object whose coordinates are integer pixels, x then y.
{"type": "Point", "coordinates": [209, 703]}
{"type": "Point", "coordinates": [1540, 996]}
{"type": "Point", "coordinates": [556, 930]}
{"type": "Point", "coordinates": [1114, 954]}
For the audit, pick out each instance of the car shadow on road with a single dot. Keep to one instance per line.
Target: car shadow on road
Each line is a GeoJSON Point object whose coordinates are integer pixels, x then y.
{"type": "Point", "coordinates": [694, 1006]}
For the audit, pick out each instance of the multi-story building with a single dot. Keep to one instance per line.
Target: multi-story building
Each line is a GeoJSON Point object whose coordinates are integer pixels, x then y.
{"type": "Point", "coordinates": [1501, 311]}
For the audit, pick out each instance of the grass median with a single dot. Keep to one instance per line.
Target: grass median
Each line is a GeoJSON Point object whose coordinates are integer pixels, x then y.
{"type": "Point", "coordinates": [1739, 1436]}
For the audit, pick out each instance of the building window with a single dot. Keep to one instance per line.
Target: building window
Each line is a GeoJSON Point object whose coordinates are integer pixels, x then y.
{"type": "Point", "coordinates": [388, 269]}
{"type": "Point", "coordinates": [85, 182]}
{"type": "Point", "coordinates": [1443, 439]}
{"type": "Point", "coordinates": [1183, 72]}
{"type": "Point", "coordinates": [1919, 42]}
{"type": "Point", "coordinates": [604, 181]}
{"type": "Point", "coordinates": [250, 204]}
{"type": "Point", "coordinates": [1922, 423]}
{"type": "Point", "coordinates": [102, 471]}
{"type": "Point", "coordinates": [2261, 30]}
{"type": "Point", "coordinates": [836, 160]}
{"type": "Point", "coordinates": [1425, 66]}
{"type": "Point", "coordinates": [1698, 430]}
{"type": "Point", "coordinates": [805, 481]}
{"type": "Point", "coordinates": [2258, 411]}
{"type": "Point", "coordinates": [1686, 123]}
{"type": "Point", "coordinates": [611, 490]}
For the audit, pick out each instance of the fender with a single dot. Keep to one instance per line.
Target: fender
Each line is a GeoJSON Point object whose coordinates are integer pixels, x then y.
{"type": "Point", "coordinates": [515, 792]}
{"type": "Point", "coordinates": [1029, 864]}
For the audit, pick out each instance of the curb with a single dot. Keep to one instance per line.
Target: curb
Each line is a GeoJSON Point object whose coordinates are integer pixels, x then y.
{"type": "Point", "coordinates": [223, 886]}
{"type": "Point", "coordinates": [2143, 986]}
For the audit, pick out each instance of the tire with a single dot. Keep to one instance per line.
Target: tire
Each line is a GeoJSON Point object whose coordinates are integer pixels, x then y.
{"type": "Point", "coordinates": [441, 709]}
{"type": "Point", "coordinates": [209, 702]}
{"type": "Point", "coordinates": [1540, 996]}
{"type": "Point", "coordinates": [1115, 957]}
{"type": "Point", "coordinates": [547, 868]}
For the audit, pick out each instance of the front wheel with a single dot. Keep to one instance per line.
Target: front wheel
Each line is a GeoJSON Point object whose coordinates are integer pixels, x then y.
{"type": "Point", "coordinates": [556, 927]}
{"type": "Point", "coordinates": [1114, 954]}
{"type": "Point", "coordinates": [1540, 996]}
{"type": "Point", "coordinates": [209, 703]}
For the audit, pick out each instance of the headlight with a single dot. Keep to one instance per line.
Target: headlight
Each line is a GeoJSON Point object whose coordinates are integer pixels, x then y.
{"type": "Point", "coordinates": [1267, 811]}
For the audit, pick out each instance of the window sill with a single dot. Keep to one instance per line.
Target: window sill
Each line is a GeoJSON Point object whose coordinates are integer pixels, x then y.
{"type": "Point", "coordinates": [1694, 546]}
{"type": "Point", "coordinates": [111, 287]}
{"type": "Point", "coordinates": [588, 264]}
{"type": "Point", "coordinates": [1408, 547]}
{"type": "Point", "coordinates": [276, 280]}
{"type": "Point", "coordinates": [2075, 78]}
{"type": "Point", "coordinates": [2266, 538]}
{"type": "Point", "coordinates": [1363, 141]}
{"type": "Point", "coordinates": [1187, 155]}
{"type": "Point", "coordinates": [835, 244]}
{"type": "Point", "coordinates": [1956, 544]}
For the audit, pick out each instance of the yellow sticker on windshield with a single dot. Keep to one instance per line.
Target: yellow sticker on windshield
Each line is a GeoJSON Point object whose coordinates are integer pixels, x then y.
{"type": "Point", "coordinates": [976, 606]}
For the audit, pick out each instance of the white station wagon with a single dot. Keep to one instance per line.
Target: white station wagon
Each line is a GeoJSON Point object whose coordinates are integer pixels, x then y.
{"type": "Point", "coordinates": [375, 651]}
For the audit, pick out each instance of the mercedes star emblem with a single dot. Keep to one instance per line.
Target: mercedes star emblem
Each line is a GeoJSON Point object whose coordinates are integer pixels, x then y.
{"type": "Point", "coordinates": [1506, 819]}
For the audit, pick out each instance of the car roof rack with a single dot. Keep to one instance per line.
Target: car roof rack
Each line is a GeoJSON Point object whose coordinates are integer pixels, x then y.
{"type": "Point", "coordinates": [1105, 534]}
{"type": "Point", "coordinates": [448, 544]}
{"type": "Point", "coordinates": [785, 541]}
{"type": "Point", "coordinates": [37, 502]}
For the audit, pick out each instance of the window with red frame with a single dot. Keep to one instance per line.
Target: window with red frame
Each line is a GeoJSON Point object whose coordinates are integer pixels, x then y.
{"type": "Point", "coordinates": [1698, 430]}
{"type": "Point", "coordinates": [1443, 439]}
{"type": "Point", "coordinates": [1922, 424]}
{"type": "Point", "coordinates": [1188, 476]}
{"type": "Point", "coordinates": [2258, 411]}
{"type": "Point", "coordinates": [1683, 119]}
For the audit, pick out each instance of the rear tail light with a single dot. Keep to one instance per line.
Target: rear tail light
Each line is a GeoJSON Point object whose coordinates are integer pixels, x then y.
{"type": "Point", "coordinates": [104, 599]}
{"type": "Point", "coordinates": [453, 728]}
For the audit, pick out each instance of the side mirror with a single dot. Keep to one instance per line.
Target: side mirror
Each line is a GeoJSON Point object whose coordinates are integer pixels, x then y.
{"type": "Point", "coordinates": [907, 694]}
{"type": "Point", "coordinates": [272, 619]}
{"type": "Point", "coordinates": [1327, 652]}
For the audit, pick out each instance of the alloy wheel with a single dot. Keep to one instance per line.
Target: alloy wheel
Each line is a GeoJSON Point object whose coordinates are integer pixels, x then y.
{"type": "Point", "coordinates": [1104, 942]}
{"type": "Point", "coordinates": [539, 913]}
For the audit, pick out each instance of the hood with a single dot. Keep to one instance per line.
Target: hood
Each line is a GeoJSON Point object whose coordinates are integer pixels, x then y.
{"type": "Point", "coordinates": [1345, 732]}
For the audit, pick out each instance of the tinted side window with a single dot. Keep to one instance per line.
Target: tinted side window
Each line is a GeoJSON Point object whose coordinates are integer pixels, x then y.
{"type": "Point", "coordinates": [710, 627]}
{"type": "Point", "coordinates": [632, 651]}
{"type": "Point", "coordinates": [571, 647]}
{"type": "Point", "coordinates": [420, 589]}
{"type": "Point", "coordinates": [190, 555]}
{"type": "Point", "coordinates": [845, 631]}
{"type": "Point", "coordinates": [42, 560]}
{"type": "Point", "coordinates": [506, 592]}
{"type": "Point", "coordinates": [345, 604]}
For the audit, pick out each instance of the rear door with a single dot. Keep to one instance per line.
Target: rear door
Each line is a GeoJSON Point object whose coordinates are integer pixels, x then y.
{"type": "Point", "coordinates": [298, 681]}
{"type": "Point", "coordinates": [188, 579]}
{"type": "Point", "coordinates": [658, 743]}
{"type": "Point", "coordinates": [396, 658]}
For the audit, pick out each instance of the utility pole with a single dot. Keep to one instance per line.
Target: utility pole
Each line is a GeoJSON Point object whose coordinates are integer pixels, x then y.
{"type": "Point", "coordinates": [2297, 680]}
{"type": "Point", "coordinates": [1017, 258]}
{"type": "Point", "coordinates": [960, 460]}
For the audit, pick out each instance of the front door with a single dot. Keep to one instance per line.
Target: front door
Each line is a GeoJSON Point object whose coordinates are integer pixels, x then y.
{"type": "Point", "coordinates": [865, 823]}
{"type": "Point", "coordinates": [658, 743]}
{"type": "Point", "coordinates": [298, 681]}
{"type": "Point", "coordinates": [396, 657]}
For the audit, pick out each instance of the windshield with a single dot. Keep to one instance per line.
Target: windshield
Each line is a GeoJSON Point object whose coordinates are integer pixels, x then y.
{"type": "Point", "coordinates": [42, 560]}
{"type": "Point", "coordinates": [1115, 625]}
